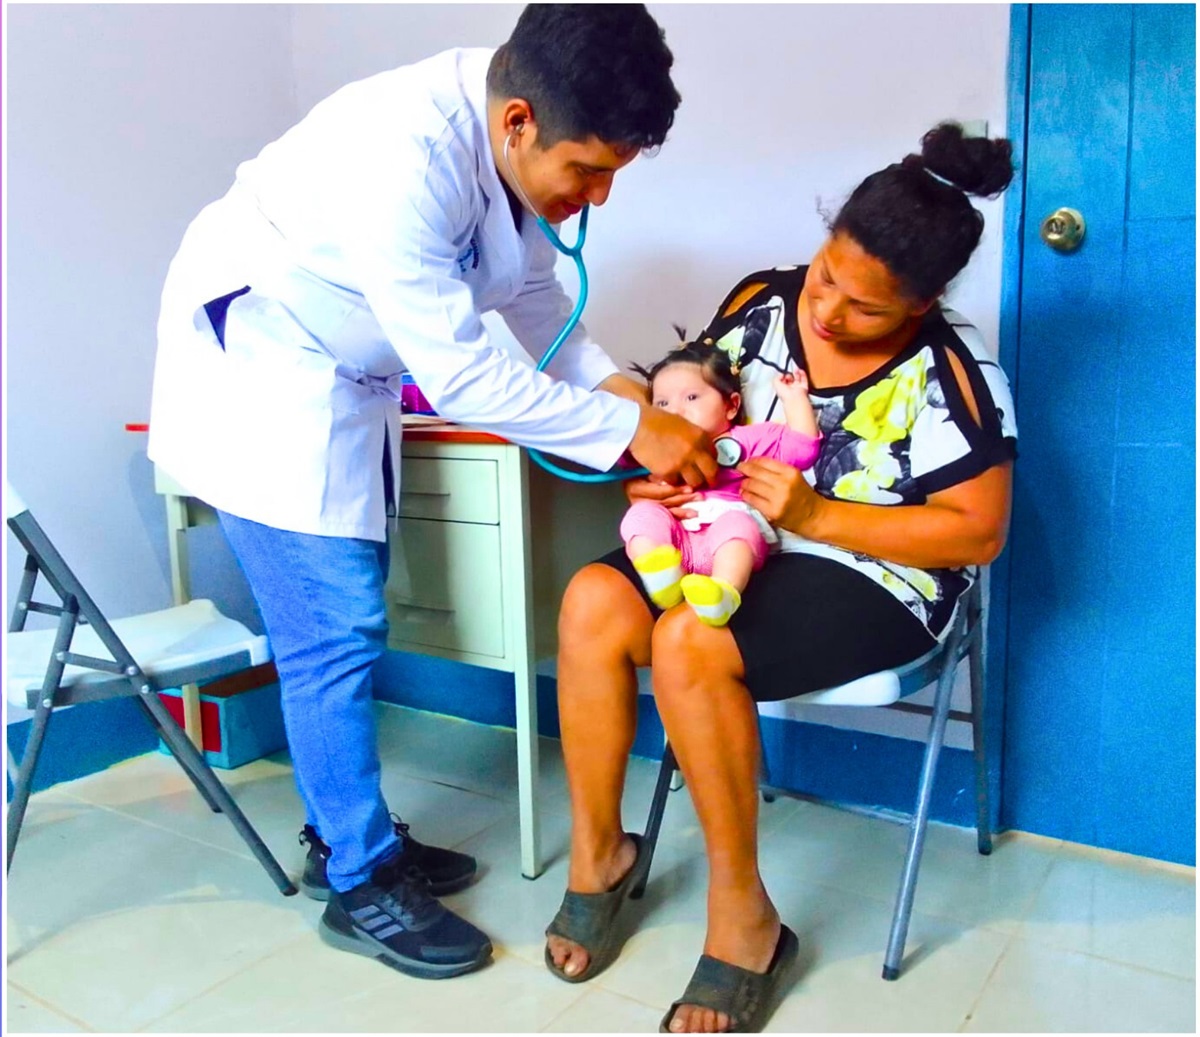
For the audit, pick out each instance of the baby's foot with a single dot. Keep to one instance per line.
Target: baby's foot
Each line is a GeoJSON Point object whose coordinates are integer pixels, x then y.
{"type": "Point", "coordinates": [714, 601]}
{"type": "Point", "coordinates": [661, 569]}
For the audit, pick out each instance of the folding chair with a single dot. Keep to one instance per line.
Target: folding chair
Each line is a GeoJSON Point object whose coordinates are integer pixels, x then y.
{"type": "Point", "coordinates": [87, 659]}
{"type": "Point", "coordinates": [887, 688]}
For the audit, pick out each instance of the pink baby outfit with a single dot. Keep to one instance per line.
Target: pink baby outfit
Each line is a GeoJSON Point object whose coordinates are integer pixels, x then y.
{"type": "Point", "coordinates": [723, 515]}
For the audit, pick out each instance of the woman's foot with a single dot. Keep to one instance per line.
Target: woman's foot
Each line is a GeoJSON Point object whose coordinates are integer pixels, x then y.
{"type": "Point", "coordinates": [590, 874]}
{"type": "Point", "coordinates": [749, 945]}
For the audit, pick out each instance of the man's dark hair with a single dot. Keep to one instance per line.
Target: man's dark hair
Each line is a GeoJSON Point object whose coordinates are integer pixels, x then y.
{"type": "Point", "coordinates": [589, 70]}
{"type": "Point", "coordinates": [915, 215]}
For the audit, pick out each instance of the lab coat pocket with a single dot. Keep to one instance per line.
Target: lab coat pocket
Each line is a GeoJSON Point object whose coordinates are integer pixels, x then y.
{"type": "Point", "coordinates": [217, 310]}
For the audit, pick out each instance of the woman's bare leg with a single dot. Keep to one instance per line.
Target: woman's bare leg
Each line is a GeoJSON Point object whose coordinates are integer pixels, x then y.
{"type": "Point", "coordinates": [604, 632]}
{"type": "Point", "coordinates": [713, 727]}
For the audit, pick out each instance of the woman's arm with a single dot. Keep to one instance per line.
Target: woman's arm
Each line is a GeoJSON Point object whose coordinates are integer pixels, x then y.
{"type": "Point", "coordinates": [966, 524]}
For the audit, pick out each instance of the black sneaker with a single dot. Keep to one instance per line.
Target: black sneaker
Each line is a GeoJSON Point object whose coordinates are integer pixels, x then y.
{"type": "Point", "coordinates": [446, 871]}
{"type": "Point", "coordinates": [393, 919]}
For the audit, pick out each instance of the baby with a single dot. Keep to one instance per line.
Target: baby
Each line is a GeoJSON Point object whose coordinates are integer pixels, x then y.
{"type": "Point", "coordinates": [727, 539]}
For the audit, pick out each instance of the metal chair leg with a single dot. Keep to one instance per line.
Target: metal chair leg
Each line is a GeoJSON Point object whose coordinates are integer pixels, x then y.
{"type": "Point", "coordinates": [24, 596]}
{"type": "Point", "coordinates": [920, 818]}
{"type": "Point", "coordinates": [24, 782]}
{"type": "Point", "coordinates": [184, 764]}
{"type": "Point", "coordinates": [41, 720]}
{"type": "Point", "coordinates": [658, 803]}
{"type": "Point", "coordinates": [182, 747]}
{"type": "Point", "coordinates": [983, 817]}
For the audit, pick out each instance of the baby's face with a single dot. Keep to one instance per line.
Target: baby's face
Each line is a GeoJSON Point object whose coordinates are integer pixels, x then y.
{"type": "Point", "coordinates": [681, 389]}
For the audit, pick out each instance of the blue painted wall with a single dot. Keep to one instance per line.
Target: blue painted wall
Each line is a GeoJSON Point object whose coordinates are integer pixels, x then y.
{"type": "Point", "coordinates": [842, 766]}
{"type": "Point", "coordinates": [84, 739]}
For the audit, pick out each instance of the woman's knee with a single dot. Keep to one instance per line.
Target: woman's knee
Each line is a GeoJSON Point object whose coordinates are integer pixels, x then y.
{"type": "Point", "coordinates": [687, 653]}
{"type": "Point", "coordinates": [602, 610]}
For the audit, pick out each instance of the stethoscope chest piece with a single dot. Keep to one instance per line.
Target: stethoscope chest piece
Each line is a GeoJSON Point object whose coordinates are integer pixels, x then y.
{"type": "Point", "coordinates": [730, 453]}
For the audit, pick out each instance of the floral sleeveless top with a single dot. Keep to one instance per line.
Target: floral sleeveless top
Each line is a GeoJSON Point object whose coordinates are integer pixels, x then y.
{"type": "Point", "coordinates": [892, 438]}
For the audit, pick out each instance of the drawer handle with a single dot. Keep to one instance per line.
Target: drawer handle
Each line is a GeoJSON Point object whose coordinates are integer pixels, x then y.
{"type": "Point", "coordinates": [422, 608]}
{"type": "Point", "coordinates": [423, 493]}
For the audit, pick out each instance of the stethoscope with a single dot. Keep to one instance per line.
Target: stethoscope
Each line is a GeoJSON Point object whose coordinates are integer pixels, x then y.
{"type": "Point", "coordinates": [576, 253]}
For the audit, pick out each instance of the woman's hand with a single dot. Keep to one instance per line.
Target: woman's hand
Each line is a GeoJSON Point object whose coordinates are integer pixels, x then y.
{"type": "Point", "coordinates": [780, 492]}
{"type": "Point", "coordinates": [676, 498]}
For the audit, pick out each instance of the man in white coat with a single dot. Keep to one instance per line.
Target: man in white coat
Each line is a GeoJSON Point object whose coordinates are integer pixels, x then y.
{"type": "Point", "coordinates": [363, 243]}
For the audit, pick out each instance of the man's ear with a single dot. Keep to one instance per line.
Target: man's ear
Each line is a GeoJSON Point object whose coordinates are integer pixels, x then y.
{"type": "Point", "coordinates": [517, 117]}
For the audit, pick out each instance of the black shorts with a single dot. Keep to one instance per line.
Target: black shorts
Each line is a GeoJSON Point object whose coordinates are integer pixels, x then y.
{"type": "Point", "coordinates": [807, 623]}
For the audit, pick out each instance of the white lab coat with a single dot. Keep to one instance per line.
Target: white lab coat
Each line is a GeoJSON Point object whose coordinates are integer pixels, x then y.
{"type": "Point", "coordinates": [372, 235]}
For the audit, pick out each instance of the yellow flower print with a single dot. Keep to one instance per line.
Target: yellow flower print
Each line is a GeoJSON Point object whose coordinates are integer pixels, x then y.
{"type": "Point", "coordinates": [884, 413]}
{"type": "Point", "coordinates": [855, 486]}
{"type": "Point", "coordinates": [869, 484]}
{"type": "Point", "coordinates": [916, 579]}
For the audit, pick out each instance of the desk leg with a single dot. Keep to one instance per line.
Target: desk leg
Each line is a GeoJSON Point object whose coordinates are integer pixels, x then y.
{"type": "Point", "coordinates": [518, 593]}
{"type": "Point", "coordinates": [181, 593]}
{"type": "Point", "coordinates": [527, 771]}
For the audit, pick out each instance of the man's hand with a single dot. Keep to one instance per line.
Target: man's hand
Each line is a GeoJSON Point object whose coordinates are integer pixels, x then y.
{"type": "Point", "coordinates": [782, 494]}
{"type": "Point", "coordinates": [675, 498]}
{"type": "Point", "coordinates": [673, 449]}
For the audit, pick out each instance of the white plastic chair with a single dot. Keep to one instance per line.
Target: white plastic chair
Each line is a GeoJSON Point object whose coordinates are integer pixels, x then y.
{"type": "Point", "coordinates": [887, 688]}
{"type": "Point", "coordinates": [86, 659]}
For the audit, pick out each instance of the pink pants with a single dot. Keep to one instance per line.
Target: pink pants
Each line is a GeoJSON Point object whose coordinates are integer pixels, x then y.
{"type": "Point", "coordinates": [648, 518]}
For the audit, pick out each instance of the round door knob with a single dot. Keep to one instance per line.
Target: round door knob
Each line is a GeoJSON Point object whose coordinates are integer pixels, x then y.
{"type": "Point", "coordinates": [1063, 229]}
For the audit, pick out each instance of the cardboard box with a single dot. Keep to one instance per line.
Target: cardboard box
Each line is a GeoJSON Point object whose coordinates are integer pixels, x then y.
{"type": "Point", "coordinates": [240, 716]}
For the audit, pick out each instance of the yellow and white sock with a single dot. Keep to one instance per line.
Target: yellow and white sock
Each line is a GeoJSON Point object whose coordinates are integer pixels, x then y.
{"type": "Point", "coordinates": [713, 600]}
{"type": "Point", "coordinates": [661, 569]}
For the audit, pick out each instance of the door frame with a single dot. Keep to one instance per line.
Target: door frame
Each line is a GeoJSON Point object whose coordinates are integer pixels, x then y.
{"type": "Point", "coordinates": [1012, 257]}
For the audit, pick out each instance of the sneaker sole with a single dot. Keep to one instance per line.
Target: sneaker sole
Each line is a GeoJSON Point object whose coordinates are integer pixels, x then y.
{"type": "Point", "coordinates": [409, 966]}
{"type": "Point", "coordinates": [315, 892]}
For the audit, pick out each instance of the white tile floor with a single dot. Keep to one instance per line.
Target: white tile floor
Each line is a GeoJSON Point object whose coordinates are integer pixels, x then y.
{"type": "Point", "coordinates": [131, 908]}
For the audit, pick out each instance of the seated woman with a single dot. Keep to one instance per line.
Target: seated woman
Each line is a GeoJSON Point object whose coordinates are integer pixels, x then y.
{"type": "Point", "coordinates": [909, 494]}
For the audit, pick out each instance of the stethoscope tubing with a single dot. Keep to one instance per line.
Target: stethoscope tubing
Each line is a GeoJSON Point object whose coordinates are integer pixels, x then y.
{"type": "Point", "coordinates": [576, 253]}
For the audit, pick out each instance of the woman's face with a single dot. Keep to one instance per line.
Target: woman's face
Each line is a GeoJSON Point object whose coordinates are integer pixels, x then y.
{"type": "Point", "coordinates": [853, 297]}
{"type": "Point", "coordinates": [681, 389]}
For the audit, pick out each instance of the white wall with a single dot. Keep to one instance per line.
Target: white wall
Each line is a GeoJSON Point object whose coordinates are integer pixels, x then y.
{"type": "Point", "coordinates": [784, 107]}
{"type": "Point", "coordinates": [125, 120]}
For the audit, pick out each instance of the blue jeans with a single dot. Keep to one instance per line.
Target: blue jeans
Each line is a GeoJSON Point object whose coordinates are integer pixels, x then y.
{"type": "Point", "coordinates": [321, 600]}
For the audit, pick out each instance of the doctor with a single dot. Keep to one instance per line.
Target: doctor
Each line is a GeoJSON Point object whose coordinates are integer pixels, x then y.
{"type": "Point", "coordinates": [363, 243]}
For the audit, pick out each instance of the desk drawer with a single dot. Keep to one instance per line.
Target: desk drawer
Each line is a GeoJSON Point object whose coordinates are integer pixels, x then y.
{"type": "Point", "coordinates": [454, 490]}
{"type": "Point", "coordinates": [452, 598]}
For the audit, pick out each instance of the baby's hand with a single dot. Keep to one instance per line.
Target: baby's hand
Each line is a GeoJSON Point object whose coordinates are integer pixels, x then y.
{"type": "Point", "coordinates": [791, 386]}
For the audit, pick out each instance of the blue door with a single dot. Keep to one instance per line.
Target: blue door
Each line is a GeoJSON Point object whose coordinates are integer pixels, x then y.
{"type": "Point", "coordinates": [1100, 700]}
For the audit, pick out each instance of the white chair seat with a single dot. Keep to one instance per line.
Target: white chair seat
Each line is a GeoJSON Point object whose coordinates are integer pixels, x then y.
{"type": "Point", "coordinates": [875, 689]}
{"type": "Point", "coordinates": [161, 642]}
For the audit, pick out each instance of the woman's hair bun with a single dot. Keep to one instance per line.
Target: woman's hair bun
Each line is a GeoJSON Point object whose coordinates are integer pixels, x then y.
{"type": "Point", "coordinates": [976, 165]}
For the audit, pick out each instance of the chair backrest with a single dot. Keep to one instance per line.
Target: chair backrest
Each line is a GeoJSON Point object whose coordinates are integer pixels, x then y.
{"type": "Point", "coordinates": [189, 643]}
{"type": "Point", "coordinates": [76, 604]}
{"type": "Point", "coordinates": [13, 505]}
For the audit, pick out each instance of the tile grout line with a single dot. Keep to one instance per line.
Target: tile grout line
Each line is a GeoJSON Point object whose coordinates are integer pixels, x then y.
{"type": "Point", "coordinates": [1146, 969]}
{"type": "Point", "coordinates": [47, 1004]}
{"type": "Point", "coordinates": [970, 1013]}
{"type": "Point", "coordinates": [241, 854]}
{"type": "Point", "coordinates": [549, 1027]}
{"type": "Point", "coordinates": [147, 1027]}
